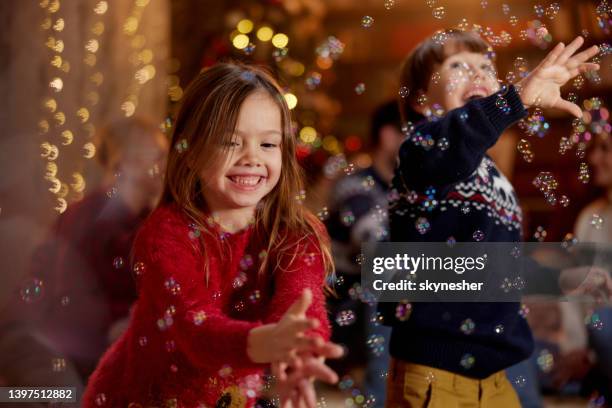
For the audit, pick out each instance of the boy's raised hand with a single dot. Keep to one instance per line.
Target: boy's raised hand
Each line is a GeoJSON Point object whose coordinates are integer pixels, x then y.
{"type": "Point", "coordinates": [542, 87]}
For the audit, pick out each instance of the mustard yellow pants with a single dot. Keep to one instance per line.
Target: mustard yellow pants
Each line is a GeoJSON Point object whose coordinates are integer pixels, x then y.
{"type": "Point", "coordinates": [418, 386]}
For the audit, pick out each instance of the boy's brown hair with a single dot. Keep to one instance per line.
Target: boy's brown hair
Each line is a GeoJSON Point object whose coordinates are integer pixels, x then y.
{"type": "Point", "coordinates": [419, 65]}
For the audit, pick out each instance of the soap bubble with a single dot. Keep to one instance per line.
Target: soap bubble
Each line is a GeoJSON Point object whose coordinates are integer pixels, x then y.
{"type": "Point", "coordinates": [467, 326]}
{"type": "Point", "coordinates": [467, 361]}
{"type": "Point", "coordinates": [403, 310]}
{"type": "Point", "coordinates": [439, 12]}
{"type": "Point", "coordinates": [367, 21]}
{"type": "Point", "coordinates": [345, 318]}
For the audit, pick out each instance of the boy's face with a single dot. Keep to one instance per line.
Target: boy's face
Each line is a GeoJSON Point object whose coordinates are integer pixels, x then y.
{"type": "Point", "coordinates": [463, 76]}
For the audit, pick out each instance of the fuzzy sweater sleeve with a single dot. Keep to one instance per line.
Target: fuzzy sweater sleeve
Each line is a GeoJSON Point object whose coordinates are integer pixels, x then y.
{"type": "Point", "coordinates": [174, 284]}
{"type": "Point", "coordinates": [298, 269]}
{"type": "Point", "coordinates": [469, 132]}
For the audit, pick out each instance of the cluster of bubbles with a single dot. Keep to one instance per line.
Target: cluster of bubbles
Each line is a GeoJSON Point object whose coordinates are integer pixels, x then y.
{"type": "Point", "coordinates": [300, 197]}
{"type": "Point", "coordinates": [597, 221]}
{"type": "Point", "coordinates": [118, 262]}
{"type": "Point", "coordinates": [524, 148]}
{"type": "Point", "coordinates": [425, 141]}
{"type": "Point", "coordinates": [467, 326]}
{"type": "Point", "coordinates": [545, 361]}
{"type": "Point", "coordinates": [376, 344]}
{"type": "Point", "coordinates": [583, 173]}
{"type": "Point", "coordinates": [389, 4]}
{"type": "Point", "coordinates": [403, 310]}
{"type": "Point", "coordinates": [569, 240]}
{"type": "Point", "coordinates": [595, 119]}
{"type": "Point", "coordinates": [547, 184]}
{"type": "Point", "coordinates": [439, 12]}
{"type": "Point", "coordinates": [280, 53]}
{"type": "Point", "coordinates": [356, 399]}
{"type": "Point", "coordinates": [478, 235]}
{"type": "Point", "coordinates": [578, 82]}
{"type": "Point", "coordinates": [32, 290]}
{"type": "Point", "coordinates": [323, 214]}
{"type": "Point", "coordinates": [313, 80]}
{"type": "Point", "coordinates": [535, 124]}
{"type": "Point", "coordinates": [422, 225]}
{"type": "Point", "coordinates": [345, 318]}
{"type": "Point", "coordinates": [360, 88]}
{"type": "Point", "coordinates": [430, 201]}
{"type": "Point", "coordinates": [592, 320]}
{"type": "Point", "coordinates": [540, 233]}
{"type": "Point", "coordinates": [523, 311]}
{"type": "Point", "coordinates": [404, 92]}
{"type": "Point", "coordinates": [520, 381]}
{"type": "Point", "coordinates": [172, 286]}
{"type": "Point", "coordinates": [537, 34]}
{"type": "Point", "coordinates": [507, 285]}
{"type": "Point", "coordinates": [604, 16]}
{"type": "Point", "coordinates": [503, 39]}
{"type": "Point", "coordinates": [377, 319]}
{"type": "Point", "coordinates": [467, 361]}
{"type": "Point", "coordinates": [335, 164]}
{"type": "Point", "coordinates": [330, 48]}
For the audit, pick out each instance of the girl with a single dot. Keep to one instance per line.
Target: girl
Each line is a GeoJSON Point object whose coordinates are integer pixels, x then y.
{"type": "Point", "coordinates": [228, 264]}
{"type": "Point", "coordinates": [445, 177]}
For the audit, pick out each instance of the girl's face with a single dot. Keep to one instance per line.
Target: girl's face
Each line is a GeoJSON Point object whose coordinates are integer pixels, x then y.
{"type": "Point", "coordinates": [252, 166]}
{"type": "Point", "coordinates": [462, 76]}
{"type": "Point", "coordinates": [600, 158]}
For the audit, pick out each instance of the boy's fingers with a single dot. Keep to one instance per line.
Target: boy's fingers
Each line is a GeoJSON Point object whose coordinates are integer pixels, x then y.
{"type": "Point", "coordinates": [552, 56]}
{"type": "Point", "coordinates": [588, 66]}
{"type": "Point", "coordinates": [570, 50]}
{"type": "Point", "coordinates": [300, 306]}
{"type": "Point", "coordinates": [585, 55]}
{"type": "Point", "coordinates": [582, 68]}
{"type": "Point", "coordinates": [569, 107]}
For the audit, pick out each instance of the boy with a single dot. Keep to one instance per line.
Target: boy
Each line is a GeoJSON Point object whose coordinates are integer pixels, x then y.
{"type": "Point", "coordinates": [445, 176]}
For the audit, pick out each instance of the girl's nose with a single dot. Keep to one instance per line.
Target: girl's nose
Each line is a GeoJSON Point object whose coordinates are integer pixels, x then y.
{"type": "Point", "coordinates": [250, 157]}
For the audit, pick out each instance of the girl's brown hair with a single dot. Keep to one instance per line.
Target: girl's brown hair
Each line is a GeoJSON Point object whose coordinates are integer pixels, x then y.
{"type": "Point", "coordinates": [206, 120]}
{"type": "Point", "coordinates": [419, 65]}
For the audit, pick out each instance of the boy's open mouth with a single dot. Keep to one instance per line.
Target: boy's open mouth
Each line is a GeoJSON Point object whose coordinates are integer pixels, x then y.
{"type": "Point", "coordinates": [475, 93]}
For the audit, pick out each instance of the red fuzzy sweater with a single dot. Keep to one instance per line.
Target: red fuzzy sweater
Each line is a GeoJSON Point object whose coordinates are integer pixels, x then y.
{"type": "Point", "coordinates": [186, 343]}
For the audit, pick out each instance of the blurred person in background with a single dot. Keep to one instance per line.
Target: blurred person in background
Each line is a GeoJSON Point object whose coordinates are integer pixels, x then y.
{"type": "Point", "coordinates": [594, 225]}
{"type": "Point", "coordinates": [357, 214]}
{"type": "Point", "coordinates": [79, 292]}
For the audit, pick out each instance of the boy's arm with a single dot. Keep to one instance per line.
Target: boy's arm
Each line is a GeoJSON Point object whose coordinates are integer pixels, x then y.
{"type": "Point", "coordinates": [469, 131]}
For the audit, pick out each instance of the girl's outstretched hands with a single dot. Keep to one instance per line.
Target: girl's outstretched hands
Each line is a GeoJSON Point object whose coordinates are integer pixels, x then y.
{"type": "Point", "coordinates": [542, 87]}
{"type": "Point", "coordinates": [295, 385]}
{"type": "Point", "coordinates": [283, 340]}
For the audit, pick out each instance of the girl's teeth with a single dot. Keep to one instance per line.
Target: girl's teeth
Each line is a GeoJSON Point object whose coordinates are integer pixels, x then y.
{"type": "Point", "coordinates": [246, 181]}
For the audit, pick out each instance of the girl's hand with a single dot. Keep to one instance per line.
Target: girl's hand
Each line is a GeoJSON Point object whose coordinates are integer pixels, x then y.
{"type": "Point", "coordinates": [295, 387]}
{"type": "Point", "coordinates": [283, 340]}
{"type": "Point", "coordinates": [542, 87]}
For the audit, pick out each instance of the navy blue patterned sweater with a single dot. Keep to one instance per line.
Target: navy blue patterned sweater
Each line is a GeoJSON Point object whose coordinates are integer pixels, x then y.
{"type": "Point", "coordinates": [445, 177]}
